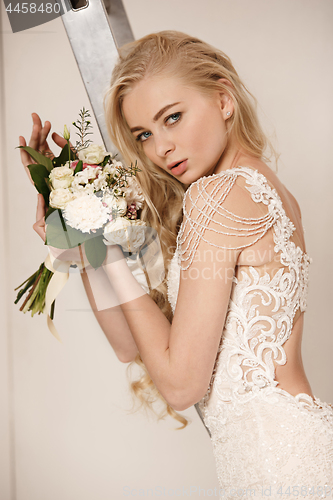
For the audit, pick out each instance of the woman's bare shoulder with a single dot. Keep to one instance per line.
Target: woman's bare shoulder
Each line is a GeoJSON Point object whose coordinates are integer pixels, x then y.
{"type": "Point", "coordinates": [289, 201]}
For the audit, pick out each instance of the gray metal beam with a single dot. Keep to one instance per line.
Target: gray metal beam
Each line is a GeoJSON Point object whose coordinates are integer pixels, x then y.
{"type": "Point", "coordinates": [94, 45]}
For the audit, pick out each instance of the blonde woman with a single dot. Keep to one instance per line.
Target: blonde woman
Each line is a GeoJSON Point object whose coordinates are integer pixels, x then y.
{"type": "Point", "coordinates": [224, 328]}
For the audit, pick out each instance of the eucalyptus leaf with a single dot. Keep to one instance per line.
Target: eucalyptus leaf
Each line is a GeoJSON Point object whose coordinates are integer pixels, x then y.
{"type": "Point", "coordinates": [41, 159]}
{"type": "Point", "coordinates": [95, 251]}
{"type": "Point", "coordinates": [39, 174]}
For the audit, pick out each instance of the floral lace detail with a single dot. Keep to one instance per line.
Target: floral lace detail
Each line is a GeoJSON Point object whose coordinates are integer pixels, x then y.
{"type": "Point", "coordinates": [259, 321]}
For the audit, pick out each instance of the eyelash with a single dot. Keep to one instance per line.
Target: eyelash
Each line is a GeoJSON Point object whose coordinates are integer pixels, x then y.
{"type": "Point", "coordinates": [173, 114]}
{"type": "Point", "coordinates": [178, 115]}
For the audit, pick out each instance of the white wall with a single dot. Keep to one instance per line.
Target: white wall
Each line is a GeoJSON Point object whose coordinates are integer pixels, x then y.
{"type": "Point", "coordinates": [65, 432]}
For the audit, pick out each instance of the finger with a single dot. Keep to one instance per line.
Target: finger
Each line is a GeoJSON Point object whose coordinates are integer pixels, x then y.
{"type": "Point", "coordinates": [45, 132]}
{"type": "Point", "coordinates": [36, 129]}
{"type": "Point", "coordinates": [41, 208]}
{"type": "Point", "coordinates": [39, 227]}
{"type": "Point", "coordinates": [39, 135]}
{"type": "Point", "coordinates": [43, 144]}
{"type": "Point", "coordinates": [60, 141]}
{"type": "Point", "coordinates": [25, 158]}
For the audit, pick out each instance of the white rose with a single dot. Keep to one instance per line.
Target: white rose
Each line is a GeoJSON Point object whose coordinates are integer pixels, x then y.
{"type": "Point", "coordinates": [61, 177]}
{"type": "Point", "coordinates": [60, 197]}
{"type": "Point", "coordinates": [130, 235]}
{"type": "Point", "coordinates": [93, 154]}
{"type": "Point", "coordinates": [117, 204]}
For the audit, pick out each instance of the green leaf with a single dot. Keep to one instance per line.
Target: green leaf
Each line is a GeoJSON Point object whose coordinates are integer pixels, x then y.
{"type": "Point", "coordinates": [105, 161]}
{"type": "Point", "coordinates": [41, 159]}
{"type": "Point", "coordinates": [60, 235]}
{"type": "Point", "coordinates": [60, 160]}
{"type": "Point", "coordinates": [95, 251]}
{"type": "Point", "coordinates": [38, 174]}
{"type": "Point", "coordinates": [78, 167]}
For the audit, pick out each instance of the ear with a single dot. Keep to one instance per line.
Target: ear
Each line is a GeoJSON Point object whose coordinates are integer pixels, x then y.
{"type": "Point", "coordinates": [227, 103]}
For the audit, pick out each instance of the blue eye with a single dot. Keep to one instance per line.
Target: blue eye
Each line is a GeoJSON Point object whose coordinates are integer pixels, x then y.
{"type": "Point", "coordinates": [175, 117]}
{"type": "Point", "coordinates": [143, 137]}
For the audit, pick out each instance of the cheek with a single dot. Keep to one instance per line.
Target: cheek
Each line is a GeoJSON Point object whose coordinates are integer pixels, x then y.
{"type": "Point", "coordinates": [209, 136]}
{"type": "Point", "coordinates": [148, 149]}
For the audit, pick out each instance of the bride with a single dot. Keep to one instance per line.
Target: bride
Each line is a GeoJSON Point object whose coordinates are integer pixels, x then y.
{"type": "Point", "coordinates": [224, 329]}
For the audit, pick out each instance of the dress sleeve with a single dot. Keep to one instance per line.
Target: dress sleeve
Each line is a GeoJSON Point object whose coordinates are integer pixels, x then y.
{"type": "Point", "coordinates": [219, 211]}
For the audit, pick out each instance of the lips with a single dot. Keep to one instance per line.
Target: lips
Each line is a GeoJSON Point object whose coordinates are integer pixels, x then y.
{"type": "Point", "coordinates": [178, 168]}
{"type": "Point", "coordinates": [175, 164]}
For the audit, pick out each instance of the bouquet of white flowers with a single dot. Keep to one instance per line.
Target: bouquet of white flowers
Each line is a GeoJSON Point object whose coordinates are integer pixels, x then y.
{"type": "Point", "coordinates": [92, 200]}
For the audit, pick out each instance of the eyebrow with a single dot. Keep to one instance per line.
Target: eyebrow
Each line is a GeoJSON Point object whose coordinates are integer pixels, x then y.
{"type": "Point", "coordinates": [157, 116]}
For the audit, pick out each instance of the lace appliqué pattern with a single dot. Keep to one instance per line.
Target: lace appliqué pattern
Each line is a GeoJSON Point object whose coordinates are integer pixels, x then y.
{"type": "Point", "coordinates": [260, 433]}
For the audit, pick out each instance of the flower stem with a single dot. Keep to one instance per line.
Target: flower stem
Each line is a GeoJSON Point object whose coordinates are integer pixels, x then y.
{"type": "Point", "coordinates": [33, 288]}
{"type": "Point", "coordinates": [37, 285]}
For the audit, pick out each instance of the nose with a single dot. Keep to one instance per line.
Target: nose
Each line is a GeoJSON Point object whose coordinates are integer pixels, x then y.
{"type": "Point", "coordinates": [163, 145]}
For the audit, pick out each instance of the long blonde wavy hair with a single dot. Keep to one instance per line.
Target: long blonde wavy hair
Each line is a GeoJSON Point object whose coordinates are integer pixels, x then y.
{"type": "Point", "coordinates": [201, 66]}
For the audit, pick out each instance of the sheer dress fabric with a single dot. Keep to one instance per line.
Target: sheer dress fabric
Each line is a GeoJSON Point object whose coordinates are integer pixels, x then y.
{"type": "Point", "coordinates": [266, 442]}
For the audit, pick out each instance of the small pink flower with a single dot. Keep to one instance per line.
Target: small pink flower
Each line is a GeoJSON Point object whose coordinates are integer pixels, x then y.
{"type": "Point", "coordinates": [131, 212]}
{"type": "Point", "coordinates": [74, 163]}
{"type": "Point", "coordinates": [85, 165]}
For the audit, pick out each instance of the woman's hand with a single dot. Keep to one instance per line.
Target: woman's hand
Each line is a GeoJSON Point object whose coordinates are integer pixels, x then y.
{"type": "Point", "coordinates": [40, 226]}
{"type": "Point", "coordinates": [38, 141]}
{"type": "Point", "coordinates": [76, 255]}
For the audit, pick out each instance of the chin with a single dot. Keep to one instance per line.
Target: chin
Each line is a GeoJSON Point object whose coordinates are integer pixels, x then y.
{"type": "Point", "coordinates": [188, 177]}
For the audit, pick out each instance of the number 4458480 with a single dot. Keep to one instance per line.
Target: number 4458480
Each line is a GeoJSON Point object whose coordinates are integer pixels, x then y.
{"type": "Point", "coordinates": [32, 8]}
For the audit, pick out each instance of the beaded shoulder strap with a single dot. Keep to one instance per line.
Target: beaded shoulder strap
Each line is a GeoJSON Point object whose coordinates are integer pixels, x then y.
{"type": "Point", "coordinates": [205, 213]}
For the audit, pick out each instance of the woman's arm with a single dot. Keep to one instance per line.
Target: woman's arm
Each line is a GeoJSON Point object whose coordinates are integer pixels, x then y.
{"type": "Point", "coordinates": [113, 323]}
{"type": "Point", "coordinates": [180, 356]}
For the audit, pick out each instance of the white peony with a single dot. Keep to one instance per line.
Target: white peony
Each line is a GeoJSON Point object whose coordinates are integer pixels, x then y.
{"type": "Point", "coordinates": [61, 177]}
{"type": "Point", "coordinates": [60, 197]}
{"type": "Point", "coordinates": [117, 204]}
{"type": "Point", "coordinates": [133, 193]}
{"type": "Point", "coordinates": [130, 235]}
{"type": "Point", "coordinates": [93, 154]}
{"type": "Point", "coordinates": [86, 213]}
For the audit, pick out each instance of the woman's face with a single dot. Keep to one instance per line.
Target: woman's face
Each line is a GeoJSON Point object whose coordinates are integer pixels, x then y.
{"type": "Point", "coordinates": [181, 130]}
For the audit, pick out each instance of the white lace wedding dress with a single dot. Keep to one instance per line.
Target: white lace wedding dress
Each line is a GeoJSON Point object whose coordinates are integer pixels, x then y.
{"type": "Point", "coordinates": [266, 442]}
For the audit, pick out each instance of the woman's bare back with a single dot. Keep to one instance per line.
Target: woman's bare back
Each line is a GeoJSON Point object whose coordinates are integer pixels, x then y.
{"type": "Point", "coordinates": [290, 376]}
